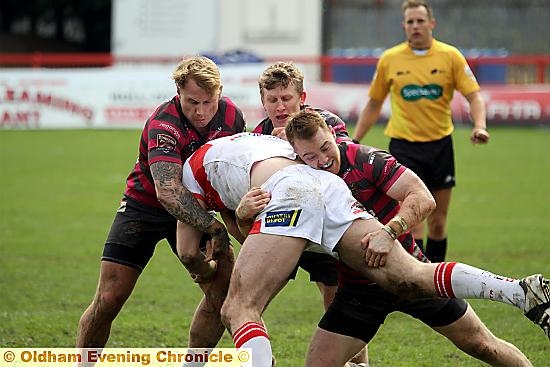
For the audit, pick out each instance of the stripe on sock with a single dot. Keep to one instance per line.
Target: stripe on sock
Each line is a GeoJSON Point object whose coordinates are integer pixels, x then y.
{"type": "Point", "coordinates": [442, 279]}
{"type": "Point", "coordinates": [248, 331]}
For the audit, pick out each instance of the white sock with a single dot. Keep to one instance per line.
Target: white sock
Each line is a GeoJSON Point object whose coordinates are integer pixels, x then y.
{"type": "Point", "coordinates": [253, 335]}
{"type": "Point", "coordinates": [456, 280]}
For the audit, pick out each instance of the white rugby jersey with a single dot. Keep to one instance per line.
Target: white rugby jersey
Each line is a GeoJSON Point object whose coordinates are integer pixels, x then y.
{"type": "Point", "coordinates": [224, 164]}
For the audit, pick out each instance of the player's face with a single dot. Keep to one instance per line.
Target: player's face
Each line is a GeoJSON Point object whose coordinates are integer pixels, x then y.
{"type": "Point", "coordinates": [280, 103]}
{"type": "Point", "coordinates": [198, 106]}
{"type": "Point", "coordinates": [418, 27]}
{"type": "Point", "coordinates": [319, 152]}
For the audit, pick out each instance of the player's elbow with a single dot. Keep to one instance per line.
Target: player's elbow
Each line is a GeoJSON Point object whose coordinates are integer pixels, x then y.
{"type": "Point", "coordinates": [430, 204]}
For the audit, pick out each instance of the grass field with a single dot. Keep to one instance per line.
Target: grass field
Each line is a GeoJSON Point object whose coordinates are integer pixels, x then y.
{"type": "Point", "coordinates": [59, 191]}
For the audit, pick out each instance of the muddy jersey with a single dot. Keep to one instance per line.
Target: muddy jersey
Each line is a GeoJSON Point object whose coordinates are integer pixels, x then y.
{"type": "Point", "coordinates": [168, 136]}
{"type": "Point", "coordinates": [369, 174]}
{"type": "Point", "coordinates": [266, 126]}
{"type": "Point", "coordinates": [219, 172]}
{"type": "Point", "coordinates": [302, 200]}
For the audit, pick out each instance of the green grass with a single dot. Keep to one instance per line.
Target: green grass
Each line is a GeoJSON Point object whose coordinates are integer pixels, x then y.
{"type": "Point", "coordinates": [59, 191]}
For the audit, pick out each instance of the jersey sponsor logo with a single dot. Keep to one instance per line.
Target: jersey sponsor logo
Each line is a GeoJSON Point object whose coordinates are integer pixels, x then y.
{"type": "Point", "coordinates": [166, 142]}
{"type": "Point", "coordinates": [241, 136]}
{"type": "Point", "coordinates": [171, 128]}
{"type": "Point", "coordinates": [413, 92]}
{"type": "Point", "coordinates": [287, 218]}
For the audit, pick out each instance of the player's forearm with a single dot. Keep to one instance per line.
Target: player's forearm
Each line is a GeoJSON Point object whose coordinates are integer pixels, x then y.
{"type": "Point", "coordinates": [477, 110]}
{"type": "Point", "coordinates": [231, 223]}
{"type": "Point", "coordinates": [414, 209]}
{"type": "Point", "coordinates": [178, 201]}
{"type": "Point", "coordinates": [244, 226]}
{"type": "Point", "coordinates": [367, 118]}
{"type": "Point", "coordinates": [417, 203]}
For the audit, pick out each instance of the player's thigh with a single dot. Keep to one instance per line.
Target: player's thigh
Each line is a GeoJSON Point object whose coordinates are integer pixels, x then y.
{"type": "Point", "coordinates": [402, 273]}
{"type": "Point", "coordinates": [263, 266]}
{"type": "Point", "coordinates": [328, 349]}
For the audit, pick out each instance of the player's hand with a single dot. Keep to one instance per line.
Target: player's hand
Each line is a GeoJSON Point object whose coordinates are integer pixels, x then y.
{"type": "Point", "coordinates": [253, 202]}
{"type": "Point", "coordinates": [219, 243]}
{"type": "Point", "coordinates": [208, 273]}
{"type": "Point", "coordinates": [377, 245]}
{"type": "Point", "coordinates": [279, 132]}
{"type": "Point", "coordinates": [479, 136]}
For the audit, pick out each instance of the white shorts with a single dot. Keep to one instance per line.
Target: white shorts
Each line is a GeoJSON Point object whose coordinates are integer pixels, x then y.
{"type": "Point", "coordinates": [308, 203]}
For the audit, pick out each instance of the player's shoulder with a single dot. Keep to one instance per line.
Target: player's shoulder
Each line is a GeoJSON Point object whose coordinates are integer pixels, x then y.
{"type": "Point", "coordinates": [264, 127]}
{"type": "Point", "coordinates": [369, 154]}
{"type": "Point", "coordinates": [165, 118]}
{"type": "Point", "coordinates": [397, 50]}
{"type": "Point", "coordinates": [331, 118]}
{"type": "Point", "coordinates": [442, 47]}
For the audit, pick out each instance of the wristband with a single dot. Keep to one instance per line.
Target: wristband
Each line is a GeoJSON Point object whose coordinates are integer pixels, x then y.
{"type": "Point", "coordinates": [401, 222]}
{"type": "Point", "coordinates": [389, 230]}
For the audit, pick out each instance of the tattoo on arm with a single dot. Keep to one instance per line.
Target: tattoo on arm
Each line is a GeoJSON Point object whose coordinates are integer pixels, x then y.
{"type": "Point", "coordinates": [175, 198]}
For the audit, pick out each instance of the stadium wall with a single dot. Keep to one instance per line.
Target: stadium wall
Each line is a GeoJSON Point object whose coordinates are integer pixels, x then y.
{"type": "Point", "coordinates": [123, 97]}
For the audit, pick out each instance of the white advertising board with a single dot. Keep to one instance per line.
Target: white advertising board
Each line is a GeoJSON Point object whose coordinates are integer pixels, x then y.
{"type": "Point", "coordinates": [125, 98]}
{"type": "Point", "coordinates": [105, 98]}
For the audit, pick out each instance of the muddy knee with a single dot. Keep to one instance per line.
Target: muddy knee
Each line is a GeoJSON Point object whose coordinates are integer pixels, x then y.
{"type": "Point", "coordinates": [409, 289]}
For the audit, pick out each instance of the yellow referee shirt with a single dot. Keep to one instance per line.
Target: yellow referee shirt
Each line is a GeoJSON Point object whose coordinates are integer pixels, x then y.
{"type": "Point", "coordinates": [421, 87]}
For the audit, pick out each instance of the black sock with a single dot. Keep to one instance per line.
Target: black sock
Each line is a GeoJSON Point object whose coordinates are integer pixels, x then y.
{"type": "Point", "coordinates": [436, 250]}
{"type": "Point", "coordinates": [420, 244]}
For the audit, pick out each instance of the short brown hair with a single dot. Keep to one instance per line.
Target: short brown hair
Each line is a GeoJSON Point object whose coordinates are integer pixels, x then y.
{"type": "Point", "coordinates": [304, 125]}
{"type": "Point", "coordinates": [408, 4]}
{"type": "Point", "coordinates": [202, 70]}
{"type": "Point", "coordinates": [280, 74]}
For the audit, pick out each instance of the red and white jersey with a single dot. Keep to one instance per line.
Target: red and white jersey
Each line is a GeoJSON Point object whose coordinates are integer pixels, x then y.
{"type": "Point", "coordinates": [305, 202]}
{"type": "Point", "coordinates": [218, 173]}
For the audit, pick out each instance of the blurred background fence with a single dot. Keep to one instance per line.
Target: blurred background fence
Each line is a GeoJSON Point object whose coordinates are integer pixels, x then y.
{"type": "Point", "coordinates": [107, 63]}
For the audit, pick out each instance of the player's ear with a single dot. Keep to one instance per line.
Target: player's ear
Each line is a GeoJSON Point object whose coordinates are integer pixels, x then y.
{"type": "Point", "coordinates": [221, 90]}
{"type": "Point", "coordinates": [303, 98]}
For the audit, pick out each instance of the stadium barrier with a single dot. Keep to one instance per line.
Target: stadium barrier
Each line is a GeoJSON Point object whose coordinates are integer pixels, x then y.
{"type": "Point", "coordinates": [118, 95]}
{"type": "Point", "coordinates": [503, 69]}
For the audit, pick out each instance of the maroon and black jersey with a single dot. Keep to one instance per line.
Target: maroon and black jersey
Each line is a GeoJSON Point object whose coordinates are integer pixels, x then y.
{"type": "Point", "coordinates": [168, 136]}
{"type": "Point", "coordinates": [369, 174]}
{"type": "Point", "coordinates": [265, 127]}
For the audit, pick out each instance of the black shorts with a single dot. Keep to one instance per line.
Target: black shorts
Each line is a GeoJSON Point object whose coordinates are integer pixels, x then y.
{"type": "Point", "coordinates": [135, 232]}
{"type": "Point", "coordinates": [359, 310]}
{"type": "Point", "coordinates": [321, 268]}
{"type": "Point", "coordinates": [432, 161]}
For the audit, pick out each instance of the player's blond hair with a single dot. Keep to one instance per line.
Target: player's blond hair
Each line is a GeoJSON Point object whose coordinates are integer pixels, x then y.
{"type": "Point", "coordinates": [408, 4]}
{"type": "Point", "coordinates": [304, 125]}
{"type": "Point", "coordinates": [281, 74]}
{"type": "Point", "coordinates": [201, 70]}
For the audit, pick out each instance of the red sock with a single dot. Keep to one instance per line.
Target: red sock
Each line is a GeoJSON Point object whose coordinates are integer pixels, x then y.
{"type": "Point", "coordinates": [253, 335]}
